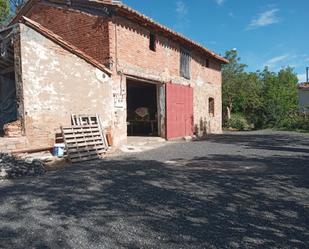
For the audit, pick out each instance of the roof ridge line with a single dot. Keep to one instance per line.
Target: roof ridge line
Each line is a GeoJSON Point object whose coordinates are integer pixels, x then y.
{"type": "Point", "coordinates": [126, 9]}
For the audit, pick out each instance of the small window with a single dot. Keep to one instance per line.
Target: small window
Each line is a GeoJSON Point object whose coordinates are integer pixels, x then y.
{"type": "Point", "coordinates": [152, 42]}
{"type": "Point", "coordinates": [211, 107]}
{"type": "Point", "coordinates": [207, 62]}
{"type": "Point", "coordinates": [185, 59]}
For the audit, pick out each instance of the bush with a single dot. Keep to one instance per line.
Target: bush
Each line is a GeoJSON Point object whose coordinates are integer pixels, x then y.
{"type": "Point", "coordinates": [238, 122]}
{"type": "Point", "coordinates": [295, 121]}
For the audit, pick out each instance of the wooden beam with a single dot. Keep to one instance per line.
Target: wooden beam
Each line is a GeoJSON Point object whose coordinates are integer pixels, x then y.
{"type": "Point", "coordinates": [31, 150]}
{"type": "Point", "coordinates": [7, 70]}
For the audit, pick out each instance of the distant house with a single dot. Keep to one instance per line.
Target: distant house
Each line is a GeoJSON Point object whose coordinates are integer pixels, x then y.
{"type": "Point", "coordinates": [303, 94]}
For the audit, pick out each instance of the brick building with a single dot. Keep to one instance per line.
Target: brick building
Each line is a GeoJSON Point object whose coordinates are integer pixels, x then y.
{"type": "Point", "coordinates": [76, 57]}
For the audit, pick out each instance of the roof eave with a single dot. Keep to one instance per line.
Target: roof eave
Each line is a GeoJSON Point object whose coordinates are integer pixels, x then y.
{"type": "Point", "coordinates": [125, 9]}
{"type": "Point", "coordinates": [58, 40]}
{"type": "Point", "coordinates": [27, 6]}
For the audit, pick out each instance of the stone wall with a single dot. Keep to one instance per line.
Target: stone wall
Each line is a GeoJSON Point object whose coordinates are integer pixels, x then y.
{"type": "Point", "coordinates": [56, 84]}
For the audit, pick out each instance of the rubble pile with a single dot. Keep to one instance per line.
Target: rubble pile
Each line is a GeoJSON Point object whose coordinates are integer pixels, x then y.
{"type": "Point", "coordinates": [11, 167]}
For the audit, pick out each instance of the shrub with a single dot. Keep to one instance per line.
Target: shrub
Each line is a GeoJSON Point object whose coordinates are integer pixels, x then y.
{"type": "Point", "coordinates": [238, 122]}
{"type": "Point", "coordinates": [295, 120]}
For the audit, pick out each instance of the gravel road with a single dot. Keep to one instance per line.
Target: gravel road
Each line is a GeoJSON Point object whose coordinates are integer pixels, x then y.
{"type": "Point", "coordinates": [237, 190]}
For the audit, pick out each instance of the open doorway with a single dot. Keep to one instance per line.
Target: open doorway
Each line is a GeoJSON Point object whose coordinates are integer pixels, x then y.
{"type": "Point", "coordinates": [8, 98]}
{"type": "Point", "coordinates": [142, 108]}
{"type": "Point", "coordinates": [8, 107]}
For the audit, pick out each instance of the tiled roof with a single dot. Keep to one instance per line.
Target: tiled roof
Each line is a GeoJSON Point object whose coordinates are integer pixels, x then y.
{"type": "Point", "coordinates": [150, 22]}
{"type": "Point", "coordinates": [133, 14]}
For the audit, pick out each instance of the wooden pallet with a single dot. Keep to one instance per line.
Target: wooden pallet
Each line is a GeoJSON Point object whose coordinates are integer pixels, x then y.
{"type": "Point", "coordinates": [88, 119]}
{"type": "Point", "coordinates": [84, 142]}
{"type": "Point", "coordinates": [85, 119]}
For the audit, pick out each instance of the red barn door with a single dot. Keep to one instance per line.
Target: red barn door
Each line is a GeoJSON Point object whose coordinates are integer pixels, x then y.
{"type": "Point", "coordinates": [179, 111]}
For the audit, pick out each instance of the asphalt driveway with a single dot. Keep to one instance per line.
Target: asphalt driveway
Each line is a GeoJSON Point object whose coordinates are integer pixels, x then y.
{"type": "Point", "coordinates": [238, 190]}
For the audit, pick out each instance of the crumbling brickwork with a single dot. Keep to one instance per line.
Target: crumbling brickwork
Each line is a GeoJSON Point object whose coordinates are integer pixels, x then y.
{"type": "Point", "coordinates": [12, 144]}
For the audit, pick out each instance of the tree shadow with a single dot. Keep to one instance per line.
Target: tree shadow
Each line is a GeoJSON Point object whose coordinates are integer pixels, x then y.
{"type": "Point", "coordinates": [275, 142]}
{"type": "Point", "coordinates": [215, 201]}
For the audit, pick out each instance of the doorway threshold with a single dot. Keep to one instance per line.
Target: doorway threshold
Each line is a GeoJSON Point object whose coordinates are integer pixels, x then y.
{"type": "Point", "coordinates": [137, 144]}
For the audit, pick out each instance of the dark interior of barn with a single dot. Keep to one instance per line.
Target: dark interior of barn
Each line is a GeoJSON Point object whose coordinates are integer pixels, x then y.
{"type": "Point", "coordinates": [142, 109]}
{"type": "Point", "coordinates": [8, 105]}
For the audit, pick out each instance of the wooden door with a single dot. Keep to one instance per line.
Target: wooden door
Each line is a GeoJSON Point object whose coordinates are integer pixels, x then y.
{"type": "Point", "coordinates": [179, 111]}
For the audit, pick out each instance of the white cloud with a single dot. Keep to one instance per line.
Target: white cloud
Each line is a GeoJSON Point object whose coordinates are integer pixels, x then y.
{"type": "Point", "coordinates": [220, 2]}
{"type": "Point", "coordinates": [182, 21]}
{"type": "Point", "coordinates": [275, 60]}
{"type": "Point", "coordinates": [264, 19]}
{"type": "Point", "coordinates": [181, 8]}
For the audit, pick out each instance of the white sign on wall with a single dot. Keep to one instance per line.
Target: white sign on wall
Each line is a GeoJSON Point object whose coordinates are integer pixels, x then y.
{"type": "Point", "coordinates": [119, 101]}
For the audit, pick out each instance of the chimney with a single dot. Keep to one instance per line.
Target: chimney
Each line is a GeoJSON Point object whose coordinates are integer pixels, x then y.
{"type": "Point", "coordinates": [307, 74]}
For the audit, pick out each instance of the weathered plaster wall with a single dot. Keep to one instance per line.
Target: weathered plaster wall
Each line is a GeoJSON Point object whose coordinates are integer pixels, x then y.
{"type": "Point", "coordinates": [132, 56]}
{"type": "Point", "coordinates": [57, 84]}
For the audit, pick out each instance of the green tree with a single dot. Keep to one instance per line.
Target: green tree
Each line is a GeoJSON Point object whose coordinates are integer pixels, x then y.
{"type": "Point", "coordinates": [4, 10]}
{"type": "Point", "coordinates": [250, 102]}
{"type": "Point", "coordinates": [288, 81]}
{"type": "Point", "coordinates": [271, 97]}
{"type": "Point", "coordinates": [279, 94]}
{"type": "Point", "coordinates": [231, 79]}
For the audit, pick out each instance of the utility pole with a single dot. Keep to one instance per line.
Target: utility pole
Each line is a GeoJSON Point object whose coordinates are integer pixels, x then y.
{"type": "Point", "coordinates": [307, 74]}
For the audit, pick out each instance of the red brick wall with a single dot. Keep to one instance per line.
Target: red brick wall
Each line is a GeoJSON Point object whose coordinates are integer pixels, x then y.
{"type": "Point", "coordinates": [87, 32]}
{"type": "Point", "coordinates": [133, 53]}
{"type": "Point", "coordinates": [96, 37]}
{"type": "Point", "coordinates": [130, 49]}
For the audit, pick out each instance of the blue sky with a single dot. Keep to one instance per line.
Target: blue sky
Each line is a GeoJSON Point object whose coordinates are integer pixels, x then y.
{"type": "Point", "coordinates": [265, 32]}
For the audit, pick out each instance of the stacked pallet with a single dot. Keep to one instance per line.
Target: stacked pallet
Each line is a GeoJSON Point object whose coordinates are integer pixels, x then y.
{"type": "Point", "coordinates": [84, 142]}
